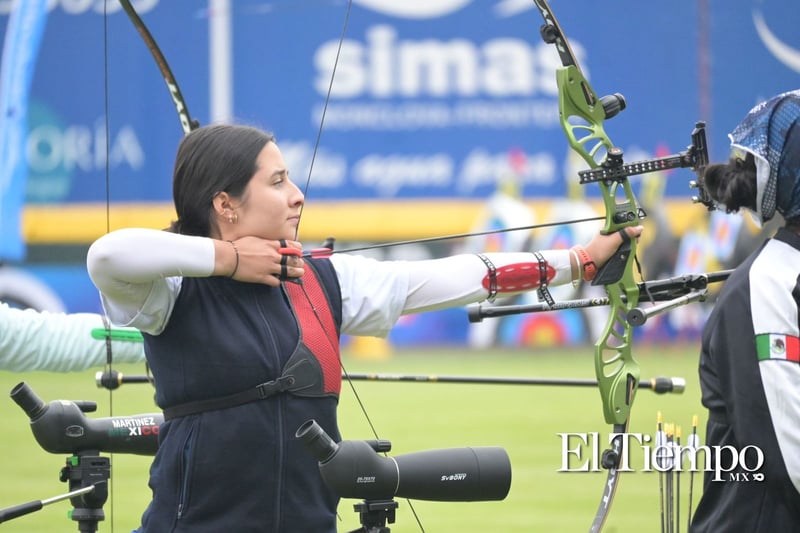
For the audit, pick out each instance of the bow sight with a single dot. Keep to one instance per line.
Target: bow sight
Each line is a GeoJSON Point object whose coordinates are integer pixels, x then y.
{"type": "Point", "coordinates": [694, 157]}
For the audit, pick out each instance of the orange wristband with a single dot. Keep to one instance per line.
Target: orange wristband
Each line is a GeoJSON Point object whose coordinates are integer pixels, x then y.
{"type": "Point", "coordinates": [587, 266]}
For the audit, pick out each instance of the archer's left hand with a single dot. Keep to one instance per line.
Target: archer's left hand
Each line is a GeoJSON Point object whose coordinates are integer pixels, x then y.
{"type": "Point", "coordinates": [602, 247]}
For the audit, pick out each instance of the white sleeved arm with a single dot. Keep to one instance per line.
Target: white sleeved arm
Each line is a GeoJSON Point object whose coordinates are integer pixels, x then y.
{"type": "Point", "coordinates": [458, 280]}
{"type": "Point", "coordinates": [139, 272]}
{"type": "Point", "coordinates": [780, 387]}
{"type": "Point", "coordinates": [376, 293]}
{"type": "Point", "coordinates": [774, 310]}
{"type": "Point", "coordinates": [57, 342]}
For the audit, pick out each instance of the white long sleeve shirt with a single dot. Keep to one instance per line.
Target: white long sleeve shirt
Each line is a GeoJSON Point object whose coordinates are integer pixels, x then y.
{"type": "Point", "coordinates": [139, 273]}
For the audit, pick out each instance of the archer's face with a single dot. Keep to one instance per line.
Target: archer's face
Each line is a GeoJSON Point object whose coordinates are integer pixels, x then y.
{"type": "Point", "coordinates": [270, 206]}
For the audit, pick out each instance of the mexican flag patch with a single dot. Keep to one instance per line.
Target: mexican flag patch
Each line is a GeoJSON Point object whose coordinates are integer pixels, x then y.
{"type": "Point", "coordinates": [774, 346]}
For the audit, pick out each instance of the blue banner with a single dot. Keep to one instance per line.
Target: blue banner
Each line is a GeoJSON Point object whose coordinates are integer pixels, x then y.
{"type": "Point", "coordinates": [428, 100]}
{"type": "Point", "coordinates": [440, 100]}
{"type": "Point", "coordinates": [20, 48]}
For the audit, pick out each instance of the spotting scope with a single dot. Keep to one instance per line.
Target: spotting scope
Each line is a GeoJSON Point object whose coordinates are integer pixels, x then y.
{"type": "Point", "coordinates": [62, 427]}
{"type": "Point", "coordinates": [355, 469]}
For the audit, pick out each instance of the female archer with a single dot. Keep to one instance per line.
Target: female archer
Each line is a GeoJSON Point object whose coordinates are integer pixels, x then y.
{"type": "Point", "coordinates": [242, 330]}
{"type": "Point", "coordinates": [750, 357]}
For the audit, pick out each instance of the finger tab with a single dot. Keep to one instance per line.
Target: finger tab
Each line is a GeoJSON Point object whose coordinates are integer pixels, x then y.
{"type": "Point", "coordinates": [290, 251]}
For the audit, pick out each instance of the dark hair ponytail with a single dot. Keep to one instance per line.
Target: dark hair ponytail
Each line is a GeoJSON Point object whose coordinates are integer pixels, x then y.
{"type": "Point", "coordinates": [733, 184]}
{"type": "Point", "coordinates": [210, 160]}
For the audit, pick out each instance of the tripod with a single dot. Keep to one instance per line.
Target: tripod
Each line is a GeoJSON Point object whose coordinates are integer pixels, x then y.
{"type": "Point", "coordinates": [374, 514]}
{"type": "Point", "coordinates": [87, 474]}
{"type": "Point", "coordinates": [86, 469]}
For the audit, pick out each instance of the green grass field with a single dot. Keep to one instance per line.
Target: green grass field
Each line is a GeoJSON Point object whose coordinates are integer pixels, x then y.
{"type": "Point", "coordinates": [523, 419]}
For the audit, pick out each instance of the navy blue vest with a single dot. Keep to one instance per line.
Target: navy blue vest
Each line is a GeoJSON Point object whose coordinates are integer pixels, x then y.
{"type": "Point", "coordinates": [241, 468]}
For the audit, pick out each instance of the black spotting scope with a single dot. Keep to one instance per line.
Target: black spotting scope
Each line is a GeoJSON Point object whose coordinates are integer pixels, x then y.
{"type": "Point", "coordinates": [354, 469]}
{"type": "Point", "coordinates": [61, 426]}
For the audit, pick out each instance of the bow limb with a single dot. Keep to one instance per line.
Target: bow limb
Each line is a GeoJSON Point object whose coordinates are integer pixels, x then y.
{"type": "Point", "coordinates": [187, 122]}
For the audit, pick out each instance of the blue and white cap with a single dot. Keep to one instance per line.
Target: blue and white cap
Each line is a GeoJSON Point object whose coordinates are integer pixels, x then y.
{"type": "Point", "coordinates": [764, 133]}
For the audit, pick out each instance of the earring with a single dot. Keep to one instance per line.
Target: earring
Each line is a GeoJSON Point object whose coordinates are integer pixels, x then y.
{"type": "Point", "coordinates": [233, 217]}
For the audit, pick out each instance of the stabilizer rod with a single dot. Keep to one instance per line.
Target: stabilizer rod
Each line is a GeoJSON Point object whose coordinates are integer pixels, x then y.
{"type": "Point", "coordinates": [671, 290]}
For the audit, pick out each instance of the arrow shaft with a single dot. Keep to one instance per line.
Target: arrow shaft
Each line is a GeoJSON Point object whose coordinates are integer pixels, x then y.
{"type": "Point", "coordinates": [658, 384]}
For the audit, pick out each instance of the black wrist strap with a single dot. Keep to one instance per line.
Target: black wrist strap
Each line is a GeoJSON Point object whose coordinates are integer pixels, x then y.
{"type": "Point", "coordinates": [492, 274]}
{"type": "Point", "coordinates": [542, 291]}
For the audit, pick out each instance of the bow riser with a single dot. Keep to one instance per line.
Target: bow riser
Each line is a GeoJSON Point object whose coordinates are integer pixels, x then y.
{"type": "Point", "coordinates": [582, 114]}
{"type": "Point", "coordinates": [582, 117]}
{"type": "Point", "coordinates": [615, 366]}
